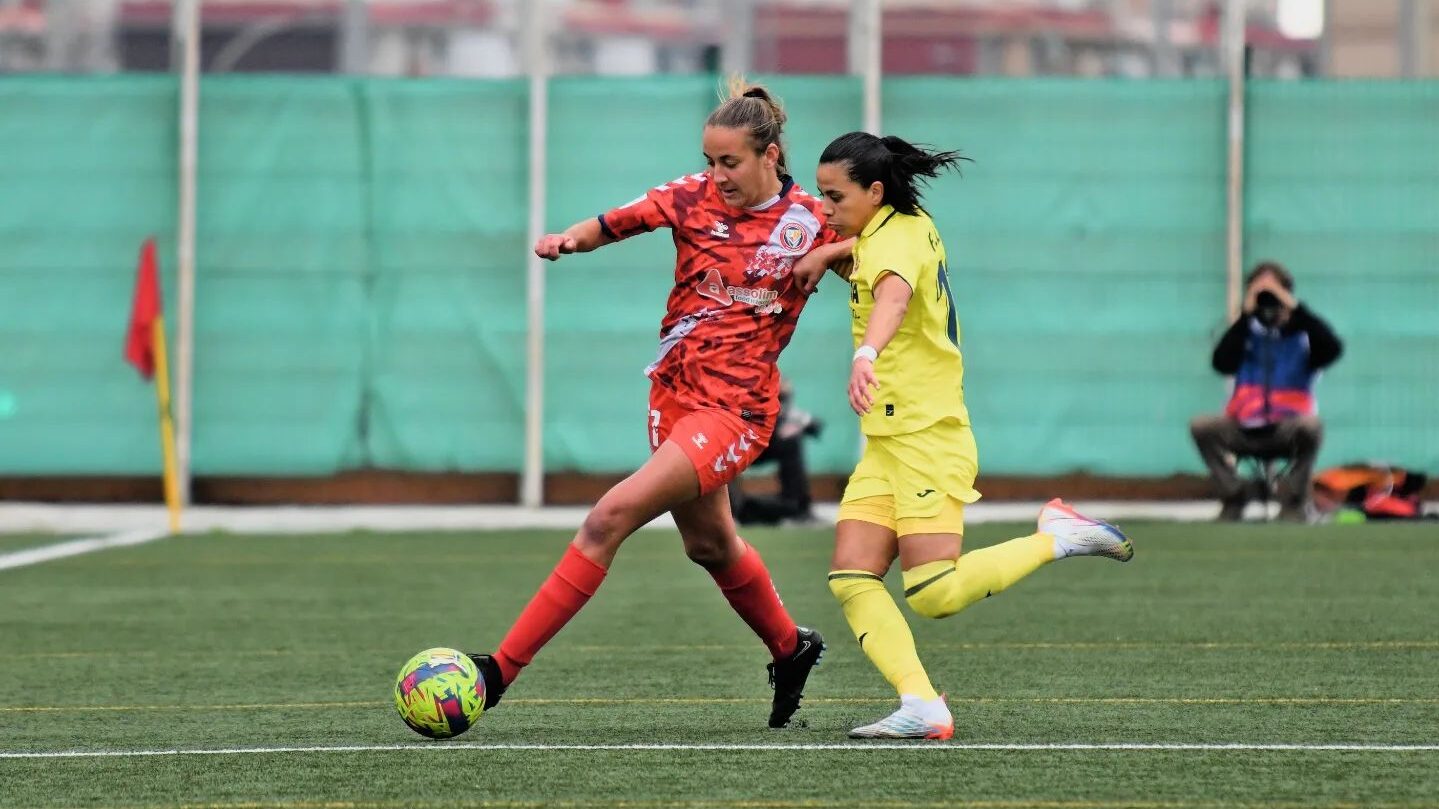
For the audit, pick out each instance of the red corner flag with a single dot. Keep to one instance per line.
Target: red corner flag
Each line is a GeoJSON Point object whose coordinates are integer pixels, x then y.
{"type": "Point", "coordinates": [144, 310]}
{"type": "Point", "coordinates": [145, 349]}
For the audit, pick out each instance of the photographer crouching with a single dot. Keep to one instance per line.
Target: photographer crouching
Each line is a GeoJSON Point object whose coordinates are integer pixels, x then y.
{"type": "Point", "coordinates": [1274, 350]}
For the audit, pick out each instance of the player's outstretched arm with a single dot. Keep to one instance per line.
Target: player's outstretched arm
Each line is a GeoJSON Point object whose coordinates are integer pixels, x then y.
{"type": "Point", "coordinates": [810, 268]}
{"type": "Point", "coordinates": [581, 237]}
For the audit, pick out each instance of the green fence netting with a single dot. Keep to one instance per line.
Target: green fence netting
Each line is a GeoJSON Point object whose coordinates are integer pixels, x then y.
{"type": "Point", "coordinates": [87, 168]}
{"type": "Point", "coordinates": [361, 281]}
{"type": "Point", "coordinates": [1344, 190]}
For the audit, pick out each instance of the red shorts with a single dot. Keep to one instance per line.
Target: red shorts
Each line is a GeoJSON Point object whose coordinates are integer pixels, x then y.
{"type": "Point", "coordinates": [719, 443]}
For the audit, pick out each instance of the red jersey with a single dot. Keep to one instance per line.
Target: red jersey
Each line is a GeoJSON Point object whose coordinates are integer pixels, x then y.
{"type": "Point", "coordinates": [734, 305]}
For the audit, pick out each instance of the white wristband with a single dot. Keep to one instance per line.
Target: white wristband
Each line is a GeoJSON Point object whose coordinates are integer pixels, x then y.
{"type": "Point", "coordinates": [867, 352]}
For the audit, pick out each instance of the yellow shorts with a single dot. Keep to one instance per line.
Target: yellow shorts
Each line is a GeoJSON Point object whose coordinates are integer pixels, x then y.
{"type": "Point", "coordinates": [915, 483]}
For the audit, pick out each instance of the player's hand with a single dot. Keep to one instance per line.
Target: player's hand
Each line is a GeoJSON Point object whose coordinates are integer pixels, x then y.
{"type": "Point", "coordinates": [553, 245]}
{"type": "Point", "coordinates": [862, 383]}
{"type": "Point", "coordinates": [808, 271]}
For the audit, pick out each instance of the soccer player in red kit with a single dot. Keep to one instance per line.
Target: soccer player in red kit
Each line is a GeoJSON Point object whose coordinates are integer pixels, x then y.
{"type": "Point", "coordinates": [738, 229]}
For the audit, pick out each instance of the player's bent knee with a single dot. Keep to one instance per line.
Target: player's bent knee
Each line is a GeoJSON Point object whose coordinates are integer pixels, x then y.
{"type": "Point", "coordinates": [708, 552]}
{"type": "Point", "coordinates": [937, 589]}
{"type": "Point", "coordinates": [934, 602]}
{"type": "Point", "coordinates": [606, 525]}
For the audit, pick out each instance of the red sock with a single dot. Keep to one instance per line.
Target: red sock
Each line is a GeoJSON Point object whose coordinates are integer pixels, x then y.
{"type": "Point", "coordinates": [747, 585]}
{"type": "Point", "coordinates": [569, 586]}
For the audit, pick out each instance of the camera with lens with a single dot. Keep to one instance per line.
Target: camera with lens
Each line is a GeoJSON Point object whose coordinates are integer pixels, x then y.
{"type": "Point", "coordinates": [1268, 308]}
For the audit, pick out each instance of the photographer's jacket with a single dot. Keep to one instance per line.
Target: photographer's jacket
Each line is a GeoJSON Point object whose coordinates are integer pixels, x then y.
{"type": "Point", "coordinates": [1274, 367]}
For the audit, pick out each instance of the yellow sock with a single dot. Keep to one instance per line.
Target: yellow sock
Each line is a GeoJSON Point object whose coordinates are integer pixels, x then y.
{"type": "Point", "coordinates": [939, 589]}
{"type": "Point", "coordinates": [881, 630]}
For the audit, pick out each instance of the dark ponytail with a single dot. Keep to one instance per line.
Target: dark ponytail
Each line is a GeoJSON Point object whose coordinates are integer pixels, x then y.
{"type": "Point", "coordinates": [900, 166]}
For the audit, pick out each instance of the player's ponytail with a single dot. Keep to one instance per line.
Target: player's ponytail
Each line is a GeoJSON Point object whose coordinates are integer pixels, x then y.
{"type": "Point", "coordinates": [901, 167]}
{"type": "Point", "coordinates": [751, 107]}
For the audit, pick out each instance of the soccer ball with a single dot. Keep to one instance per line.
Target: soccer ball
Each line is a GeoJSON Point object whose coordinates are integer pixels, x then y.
{"type": "Point", "coordinates": [440, 693]}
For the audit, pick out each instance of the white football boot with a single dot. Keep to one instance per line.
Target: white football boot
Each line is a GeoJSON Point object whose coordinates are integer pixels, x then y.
{"type": "Point", "coordinates": [1077, 535]}
{"type": "Point", "coordinates": [915, 719]}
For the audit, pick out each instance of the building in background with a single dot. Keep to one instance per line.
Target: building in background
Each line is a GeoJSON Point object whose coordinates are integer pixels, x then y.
{"type": "Point", "coordinates": [1383, 38]}
{"type": "Point", "coordinates": [480, 38]}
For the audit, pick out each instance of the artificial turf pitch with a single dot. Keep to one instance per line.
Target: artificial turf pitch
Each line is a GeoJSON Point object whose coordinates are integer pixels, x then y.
{"type": "Point", "coordinates": [1248, 635]}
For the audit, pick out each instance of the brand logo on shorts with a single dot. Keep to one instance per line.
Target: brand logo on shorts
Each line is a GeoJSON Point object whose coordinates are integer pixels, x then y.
{"type": "Point", "coordinates": [700, 440]}
{"type": "Point", "coordinates": [736, 451]}
{"type": "Point", "coordinates": [925, 493]}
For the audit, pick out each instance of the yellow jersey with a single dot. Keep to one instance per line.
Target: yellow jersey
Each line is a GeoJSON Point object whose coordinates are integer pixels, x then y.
{"type": "Point", "coordinates": [921, 370]}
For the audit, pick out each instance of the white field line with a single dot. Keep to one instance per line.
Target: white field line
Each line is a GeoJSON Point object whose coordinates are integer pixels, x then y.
{"type": "Point", "coordinates": [75, 547]}
{"type": "Point", "coordinates": [87, 518]}
{"type": "Point", "coordinates": [616, 701]}
{"type": "Point", "coordinates": [610, 648]}
{"type": "Point", "coordinates": [886, 746]}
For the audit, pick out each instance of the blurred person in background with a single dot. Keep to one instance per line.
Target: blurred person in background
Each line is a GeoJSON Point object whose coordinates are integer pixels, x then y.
{"type": "Point", "coordinates": [786, 451]}
{"type": "Point", "coordinates": [738, 228]}
{"type": "Point", "coordinates": [1275, 351]}
{"type": "Point", "coordinates": [907, 495]}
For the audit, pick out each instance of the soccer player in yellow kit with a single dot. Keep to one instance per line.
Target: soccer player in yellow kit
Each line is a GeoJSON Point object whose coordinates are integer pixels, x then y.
{"type": "Point", "coordinates": [906, 496]}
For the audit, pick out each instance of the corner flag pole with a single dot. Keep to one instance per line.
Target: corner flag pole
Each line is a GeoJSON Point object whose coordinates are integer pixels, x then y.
{"type": "Point", "coordinates": [167, 426]}
{"type": "Point", "coordinates": [146, 349]}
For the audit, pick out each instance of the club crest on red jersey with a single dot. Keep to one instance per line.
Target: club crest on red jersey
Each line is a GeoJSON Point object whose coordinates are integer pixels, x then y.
{"type": "Point", "coordinates": [793, 236]}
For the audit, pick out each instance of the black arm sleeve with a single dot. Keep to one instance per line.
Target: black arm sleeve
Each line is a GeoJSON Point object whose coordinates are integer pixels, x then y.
{"type": "Point", "coordinates": [1230, 351]}
{"type": "Point", "coordinates": [1324, 344]}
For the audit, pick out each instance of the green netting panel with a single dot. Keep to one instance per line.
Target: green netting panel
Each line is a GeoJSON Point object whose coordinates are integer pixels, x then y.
{"type": "Point", "coordinates": [1086, 243]}
{"type": "Point", "coordinates": [88, 172]}
{"type": "Point", "coordinates": [449, 214]}
{"type": "Point", "coordinates": [282, 266]}
{"type": "Point", "coordinates": [1343, 189]}
{"type": "Point", "coordinates": [362, 248]}
{"type": "Point", "coordinates": [611, 141]}
{"type": "Point", "coordinates": [817, 360]}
